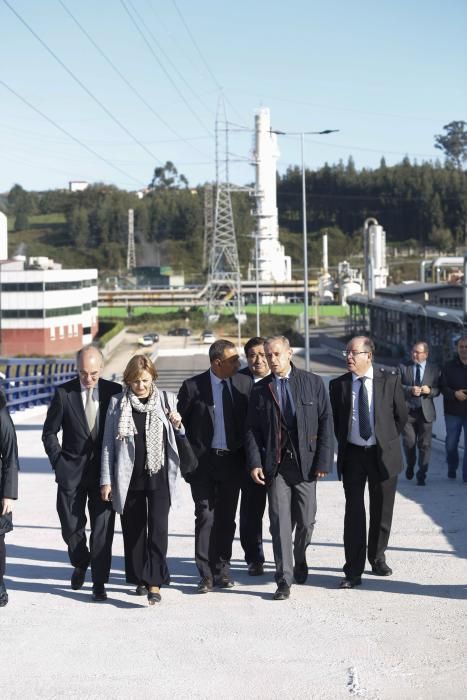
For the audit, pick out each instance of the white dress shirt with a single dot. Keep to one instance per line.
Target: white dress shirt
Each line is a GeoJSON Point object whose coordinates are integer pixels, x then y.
{"type": "Point", "coordinates": [354, 434]}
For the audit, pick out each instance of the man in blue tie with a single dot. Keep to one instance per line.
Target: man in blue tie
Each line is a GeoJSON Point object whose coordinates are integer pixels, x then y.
{"type": "Point", "coordinates": [289, 447]}
{"type": "Point", "coordinates": [420, 380]}
{"type": "Point", "coordinates": [369, 413]}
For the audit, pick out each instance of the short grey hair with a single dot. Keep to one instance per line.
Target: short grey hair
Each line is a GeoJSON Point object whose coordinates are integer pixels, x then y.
{"type": "Point", "coordinates": [278, 338]}
{"type": "Point", "coordinates": [86, 348]}
{"type": "Point", "coordinates": [368, 344]}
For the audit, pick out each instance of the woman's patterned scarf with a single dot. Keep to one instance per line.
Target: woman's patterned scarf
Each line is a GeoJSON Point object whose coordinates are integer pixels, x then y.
{"type": "Point", "coordinates": [154, 426]}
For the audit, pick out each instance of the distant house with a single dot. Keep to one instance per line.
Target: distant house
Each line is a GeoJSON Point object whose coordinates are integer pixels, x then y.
{"type": "Point", "coordinates": [78, 185]}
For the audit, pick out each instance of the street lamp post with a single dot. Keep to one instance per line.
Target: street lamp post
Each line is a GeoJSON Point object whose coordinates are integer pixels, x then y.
{"type": "Point", "coordinates": [306, 313]}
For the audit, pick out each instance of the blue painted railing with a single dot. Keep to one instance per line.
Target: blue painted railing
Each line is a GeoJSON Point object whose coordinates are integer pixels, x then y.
{"type": "Point", "coordinates": [32, 381]}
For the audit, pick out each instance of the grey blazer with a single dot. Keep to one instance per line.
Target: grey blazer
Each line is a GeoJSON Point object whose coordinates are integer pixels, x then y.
{"type": "Point", "coordinates": [118, 456]}
{"type": "Point", "coordinates": [430, 378]}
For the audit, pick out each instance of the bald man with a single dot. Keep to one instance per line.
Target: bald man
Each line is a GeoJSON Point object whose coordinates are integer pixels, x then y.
{"type": "Point", "coordinates": [78, 409]}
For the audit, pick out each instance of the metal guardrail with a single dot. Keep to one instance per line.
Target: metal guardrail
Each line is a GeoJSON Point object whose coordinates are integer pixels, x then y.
{"type": "Point", "coordinates": [32, 381]}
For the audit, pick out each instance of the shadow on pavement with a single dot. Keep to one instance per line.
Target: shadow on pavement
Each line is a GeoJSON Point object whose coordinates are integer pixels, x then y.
{"type": "Point", "coordinates": [35, 465]}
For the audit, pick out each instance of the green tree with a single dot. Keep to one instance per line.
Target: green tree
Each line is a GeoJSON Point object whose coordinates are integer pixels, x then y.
{"type": "Point", "coordinates": [442, 239]}
{"type": "Point", "coordinates": [453, 142]}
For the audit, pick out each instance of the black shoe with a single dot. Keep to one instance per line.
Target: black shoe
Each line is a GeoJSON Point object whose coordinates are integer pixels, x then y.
{"type": "Point", "coordinates": [300, 572]}
{"type": "Point", "coordinates": [205, 585]}
{"type": "Point", "coordinates": [3, 596]}
{"type": "Point", "coordinates": [421, 482]}
{"type": "Point", "coordinates": [283, 591]}
{"type": "Point", "coordinates": [141, 589]}
{"type": "Point", "coordinates": [256, 568]}
{"type": "Point", "coordinates": [154, 595]}
{"type": "Point", "coordinates": [409, 473]}
{"type": "Point", "coordinates": [380, 568]}
{"type": "Point", "coordinates": [224, 581]}
{"type": "Point", "coordinates": [77, 578]}
{"type": "Point", "coordinates": [451, 475]}
{"type": "Point", "coordinates": [350, 582]}
{"type": "Point", "coordinates": [99, 593]}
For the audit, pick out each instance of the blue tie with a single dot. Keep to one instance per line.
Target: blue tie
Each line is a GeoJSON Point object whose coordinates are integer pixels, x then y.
{"type": "Point", "coordinates": [364, 424]}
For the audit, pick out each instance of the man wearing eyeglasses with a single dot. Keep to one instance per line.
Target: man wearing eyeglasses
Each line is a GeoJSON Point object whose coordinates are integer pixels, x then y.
{"type": "Point", "coordinates": [369, 413]}
{"type": "Point", "coordinates": [420, 384]}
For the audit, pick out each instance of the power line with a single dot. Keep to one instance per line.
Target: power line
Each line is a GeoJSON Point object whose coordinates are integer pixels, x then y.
{"type": "Point", "coordinates": [169, 77]}
{"type": "Point", "coordinates": [125, 80]}
{"type": "Point", "coordinates": [67, 133]}
{"type": "Point", "coordinates": [82, 85]}
{"type": "Point", "coordinates": [201, 55]}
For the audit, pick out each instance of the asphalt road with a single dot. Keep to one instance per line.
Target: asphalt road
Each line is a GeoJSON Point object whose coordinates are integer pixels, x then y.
{"type": "Point", "coordinates": [398, 637]}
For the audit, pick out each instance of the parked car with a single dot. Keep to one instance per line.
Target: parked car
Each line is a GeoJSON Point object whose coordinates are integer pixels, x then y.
{"type": "Point", "coordinates": [208, 337]}
{"type": "Point", "coordinates": [145, 341]}
{"type": "Point", "coordinates": [154, 336]}
{"type": "Point", "coordinates": [179, 331]}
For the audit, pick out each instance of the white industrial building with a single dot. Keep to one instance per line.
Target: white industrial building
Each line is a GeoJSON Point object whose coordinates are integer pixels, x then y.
{"type": "Point", "coordinates": [45, 310]}
{"type": "Point", "coordinates": [269, 262]}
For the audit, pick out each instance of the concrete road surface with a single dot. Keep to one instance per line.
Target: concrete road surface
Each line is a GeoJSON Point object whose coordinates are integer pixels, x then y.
{"type": "Point", "coordinates": [398, 637]}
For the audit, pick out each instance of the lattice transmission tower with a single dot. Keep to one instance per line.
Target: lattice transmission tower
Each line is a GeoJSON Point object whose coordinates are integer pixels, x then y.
{"type": "Point", "coordinates": [131, 254]}
{"type": "Point", "coordinates": [208, 223]}
{"type": "Point", "coordinates": [224, 282]}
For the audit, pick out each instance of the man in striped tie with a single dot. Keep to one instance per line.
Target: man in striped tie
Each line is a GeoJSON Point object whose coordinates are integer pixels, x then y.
{"type": "Point", "coordinates": [369, 413]}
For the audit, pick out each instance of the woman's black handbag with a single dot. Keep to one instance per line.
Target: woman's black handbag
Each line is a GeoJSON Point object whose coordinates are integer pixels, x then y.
{"type": "Point", "coordinates": [188, 459]}
{"type": "Point", "coordinates": [6, 523]}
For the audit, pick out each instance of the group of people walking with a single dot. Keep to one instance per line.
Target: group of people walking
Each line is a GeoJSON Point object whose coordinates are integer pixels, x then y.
{"type": "Point", "coordinates": [262, 434]}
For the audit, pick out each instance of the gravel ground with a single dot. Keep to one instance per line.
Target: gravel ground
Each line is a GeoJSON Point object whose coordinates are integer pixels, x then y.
{"type": "Point", "coordinates": [398, 637]}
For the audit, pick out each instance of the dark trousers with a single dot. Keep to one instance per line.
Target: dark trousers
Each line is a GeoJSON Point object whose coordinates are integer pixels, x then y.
{"type": "Point", "coordinates": [2, 557]}
{"type": "Point", "coordinates": [71, 509]}
{"type": "Point", "coordinates": [145, 530]}
{"type": "Point", "coordinates": [215, 489]}
{"type": "Point", "coordinates": [361, 466]}
{"type": "Point", "coordinates": [290, 505]}
{"type": "Point", "coordinates": [417, 435]}
{"type": "Point", "coordinates": [252, 506]}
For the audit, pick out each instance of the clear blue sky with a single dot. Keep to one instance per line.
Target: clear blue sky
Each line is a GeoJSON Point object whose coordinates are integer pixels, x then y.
{"type": "Point", "coordinates": [388, 74]}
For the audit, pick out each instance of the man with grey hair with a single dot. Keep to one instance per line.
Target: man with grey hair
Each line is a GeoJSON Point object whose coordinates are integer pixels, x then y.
{"type": "Point", "coordinates": [213, 407]}
{"type": "Point", "coordinates": [79, 408]}
{"type": "Point", "coordinates": [419, 379]}
{"type": "Point", "coordinates": [369, 415]}
{"type": "Point", "coordinates": [289, 447]}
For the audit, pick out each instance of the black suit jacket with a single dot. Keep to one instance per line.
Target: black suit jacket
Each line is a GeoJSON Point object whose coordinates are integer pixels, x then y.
{"type": "Point", "coordinates": [196, 406]}
{"type": "Point", "coordinates": [390, 412]}
{"type": "Point", "coordinates": [79, 456]}
{"type": "Point", "coordinates": [314, 425]}
{"type": "Point", "coordinates": [430, 378]}
{"type": "Point", "coordinates": [8, 454]}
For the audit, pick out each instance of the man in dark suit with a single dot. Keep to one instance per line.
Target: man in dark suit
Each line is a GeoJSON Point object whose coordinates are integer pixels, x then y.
{"type": "Point", "coordinates": [369, 415]}
{"type": "Point", "coordinates": [420, 384]}
{"type": "Point", "coordinates": [289, 446]}
{"type": "Point", "coordinates": [213, 406]}
{"type": "Point", "coordinates": [253, 498]}
{"type": "Point", "coordinates": [79, 409]}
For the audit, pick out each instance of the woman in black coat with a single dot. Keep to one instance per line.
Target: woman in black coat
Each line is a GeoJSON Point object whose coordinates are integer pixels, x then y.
{"type": "Point", "coordinates": [8, 482]}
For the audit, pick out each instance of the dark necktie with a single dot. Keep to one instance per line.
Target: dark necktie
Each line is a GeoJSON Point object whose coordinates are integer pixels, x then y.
{"type": "Point", "coordinates": [230, 424]}
{"type": "Point", "coordinates": [418, 380]}
{"type": "Point", "coordinates": [364, 424]}
{"type": "Point", "coordinates": [286, 406]}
